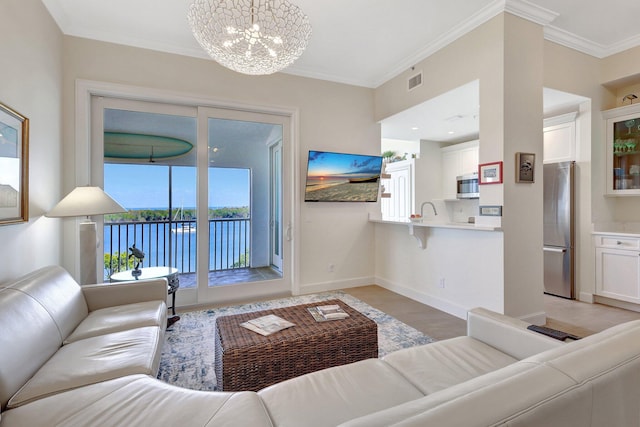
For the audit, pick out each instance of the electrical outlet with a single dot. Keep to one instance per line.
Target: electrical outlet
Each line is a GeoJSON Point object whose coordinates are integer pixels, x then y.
{"type": "Point", "coordinates": [441, 283]}
{"type": "Point", "coordinates": [331, 268]}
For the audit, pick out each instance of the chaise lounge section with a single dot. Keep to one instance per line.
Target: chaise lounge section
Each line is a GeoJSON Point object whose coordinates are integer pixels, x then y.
{"type": "Point", "coordinates": [88, 356]}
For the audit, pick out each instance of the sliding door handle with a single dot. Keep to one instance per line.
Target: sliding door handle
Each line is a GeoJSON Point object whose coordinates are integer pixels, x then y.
{"type": "Point", "coordinates": [555, 250]}
{"type": "Point", "coordinates": [287, 232]}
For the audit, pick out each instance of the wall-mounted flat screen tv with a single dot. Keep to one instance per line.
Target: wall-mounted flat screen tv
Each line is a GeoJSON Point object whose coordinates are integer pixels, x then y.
{"type": "Point", "coordinates": [341, 177]}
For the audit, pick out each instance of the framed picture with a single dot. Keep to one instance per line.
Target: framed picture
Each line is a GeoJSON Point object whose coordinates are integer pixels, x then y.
{"type": "Point", "coordinates": [14, 171]}
{"type": "Point", "coordinates": [525, 165]}
{"type": "Point", "coordinates": [490, 173]}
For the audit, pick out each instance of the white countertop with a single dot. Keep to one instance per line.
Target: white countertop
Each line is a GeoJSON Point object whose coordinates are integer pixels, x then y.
{"type": "Point", "coordinates": [606, 233]}
{"type": "Point", "coordinates": [432, 224]}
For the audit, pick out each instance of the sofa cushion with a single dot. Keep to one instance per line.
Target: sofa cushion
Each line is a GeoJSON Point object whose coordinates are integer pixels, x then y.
{"type": "Point", "coordinates": [92, 360]}
{"type": "Point", "coordinates": [138, 400]}
{"type": "Point", "coordinates": [486, 400]}
{"type": "Point", "coordinates": [507, 334]}
{"type": "Point", "coordinates": [338, 394]}
{"type": "Point", "coordinates": [120, 318]}
{"type": "Point", "coordinates": [28, 338]}
{"type": "Point", "coordinates": [435, 366]}
{"type": "Point", "coordinates": [59, 294]}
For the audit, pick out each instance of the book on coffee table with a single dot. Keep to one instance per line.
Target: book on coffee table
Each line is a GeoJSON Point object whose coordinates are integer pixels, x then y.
{"type": "Point", "coordinates": [324, 313]}
{"type": "Point", "coordinates": [266, 325]}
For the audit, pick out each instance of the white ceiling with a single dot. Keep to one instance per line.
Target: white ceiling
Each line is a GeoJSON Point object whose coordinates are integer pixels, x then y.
{"type": "Point", "coordinates": [454, 116]}
{"type": "Point", "coordinates": [361, 42]}
{"type": "Point", "coordinates": [365, 42]}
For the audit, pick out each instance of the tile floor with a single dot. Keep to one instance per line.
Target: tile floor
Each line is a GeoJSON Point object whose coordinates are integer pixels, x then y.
{"type": "Point", "coordinates": [226, 277]}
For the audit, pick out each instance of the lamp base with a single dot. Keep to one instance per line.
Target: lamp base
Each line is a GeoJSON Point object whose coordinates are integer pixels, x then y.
{"type": "Point", "coordinates": [88, 253]}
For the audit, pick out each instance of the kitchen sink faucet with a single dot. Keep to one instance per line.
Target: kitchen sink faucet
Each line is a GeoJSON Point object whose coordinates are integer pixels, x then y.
{"type": "Point", "coordinates": [422, 208]}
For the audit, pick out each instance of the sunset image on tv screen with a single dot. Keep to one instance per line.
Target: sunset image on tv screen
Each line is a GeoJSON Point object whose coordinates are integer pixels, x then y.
{"type": "Point", "coordinates": [341, 177]}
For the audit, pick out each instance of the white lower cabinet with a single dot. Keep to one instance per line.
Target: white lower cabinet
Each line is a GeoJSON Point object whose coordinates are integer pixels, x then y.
{"type": "Point", "coordinates": [618, 267]}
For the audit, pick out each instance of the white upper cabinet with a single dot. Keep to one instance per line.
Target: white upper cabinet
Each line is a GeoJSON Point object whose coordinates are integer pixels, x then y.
{"type": "Point", "coordinates": [622, 139]}
{"type": "Point", "coordinates": [458, 159]}
{"type": "Point", "coordinates": [560, 138]}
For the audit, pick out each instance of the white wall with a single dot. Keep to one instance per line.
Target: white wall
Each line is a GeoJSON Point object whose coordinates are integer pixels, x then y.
{"type": "Point", "coordinates": [332, 117]}
{"type": "Point", "coordinates": [31, 76]}
{"type": "Point", "coordinates": [464, 259]}
{"type": "Point", "coordinates": [401, 147]}
{"type": "Point", "coordinates": [428, 173]}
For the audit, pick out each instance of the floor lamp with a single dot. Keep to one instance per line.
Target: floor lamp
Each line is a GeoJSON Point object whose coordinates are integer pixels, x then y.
{"type": "Point", "coordinates": [86, 201]}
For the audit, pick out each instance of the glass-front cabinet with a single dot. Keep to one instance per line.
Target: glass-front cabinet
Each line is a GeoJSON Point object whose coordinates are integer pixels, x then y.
{"type": "Point", "coordinates": [623, 150]}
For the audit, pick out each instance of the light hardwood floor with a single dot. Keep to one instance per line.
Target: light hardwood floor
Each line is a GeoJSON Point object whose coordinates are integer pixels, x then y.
{"type": "Point", "coordinates": [574, 317]}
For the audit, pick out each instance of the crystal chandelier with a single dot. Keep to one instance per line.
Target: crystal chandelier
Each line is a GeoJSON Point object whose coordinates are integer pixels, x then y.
{"type": "Point", "coordinates": [250, 36]}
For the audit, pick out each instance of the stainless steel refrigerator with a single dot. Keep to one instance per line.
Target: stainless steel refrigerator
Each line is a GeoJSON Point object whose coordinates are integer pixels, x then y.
{"type": "Point", "coordinates": [559, 229]}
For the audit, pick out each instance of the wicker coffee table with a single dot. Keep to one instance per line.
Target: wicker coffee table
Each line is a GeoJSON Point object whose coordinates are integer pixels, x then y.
{"type": "Point", "coordinates": [246, 360]}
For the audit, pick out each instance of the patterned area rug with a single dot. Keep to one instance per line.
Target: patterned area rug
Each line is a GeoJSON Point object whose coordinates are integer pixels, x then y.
{"type": "Point", "coordinates": [188, 353]}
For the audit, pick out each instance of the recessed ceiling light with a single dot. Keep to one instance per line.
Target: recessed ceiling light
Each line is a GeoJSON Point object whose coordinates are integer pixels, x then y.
{"type": "Point", "coordinates": [451, 132]}
{"type": "Point", "coordinates": [415, 128]}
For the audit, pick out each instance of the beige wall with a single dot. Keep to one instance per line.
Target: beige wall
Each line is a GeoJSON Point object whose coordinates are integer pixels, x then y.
{"type": "Point", "coordinates": [603, 81]}
{"type": "Point", "coordinates": [510, 276]}
{"type": "Point", "coordinates": [574, 72]}
{"type": "Point", "coordinates": [31, 76]}
{"type": "Point", "coordinates": [332, 117]}
{"type": "Point", "coordinates": [522, 124]}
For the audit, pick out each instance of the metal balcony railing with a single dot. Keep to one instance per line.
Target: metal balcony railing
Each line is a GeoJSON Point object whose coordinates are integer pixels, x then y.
{"type": "Point", "coordinates": [173, 244]}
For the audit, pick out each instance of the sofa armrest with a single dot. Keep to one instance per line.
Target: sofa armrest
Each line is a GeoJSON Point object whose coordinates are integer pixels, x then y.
{"type": "Point", "coordinates": [507, 334]}
{"type": "Point", "coordinates": [113, 294]}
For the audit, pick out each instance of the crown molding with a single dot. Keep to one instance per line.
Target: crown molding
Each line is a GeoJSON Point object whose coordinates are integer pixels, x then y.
{"type": "Point", "coordinates": [473, 22]}
{"type": "Point", "coordinates": [574, 42]}
{"type": "Point", "coordinates": [519, 8]}
{"type": "Point", "coordinates": [530, 11]}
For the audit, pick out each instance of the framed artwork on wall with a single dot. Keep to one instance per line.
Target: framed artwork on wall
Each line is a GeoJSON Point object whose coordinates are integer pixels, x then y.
{"type": "Point", "coordinates": [490, 173]}
{"type": "Point", "coordinates": [525, 167]}
{"type": "Point", "coordinates": [14, 171]}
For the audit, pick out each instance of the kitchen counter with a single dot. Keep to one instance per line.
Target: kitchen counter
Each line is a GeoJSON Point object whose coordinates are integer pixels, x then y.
{"type": "Point", "coordinates": [607, 233]}
{"type": "Point", "coordinates": [419, 229]}
{"type": "Point", "coordinates": [434, 224]}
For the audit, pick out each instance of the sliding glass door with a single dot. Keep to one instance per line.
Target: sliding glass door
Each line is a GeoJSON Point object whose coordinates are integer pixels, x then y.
{"type": "Point", "coordinates": [236, 148]}
{"type": "Point", "coordinates": [207, 193]}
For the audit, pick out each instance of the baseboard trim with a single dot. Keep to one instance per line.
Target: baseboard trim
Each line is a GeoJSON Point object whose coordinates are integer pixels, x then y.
{"type": "Point", "coordinates": [586, 297]}
{"type": "Point", "coordinates": [335, 285]}
{"type": "Point", "coordinates": [430, 300]}
{"type": "Point", "coordinates": [617, 303]}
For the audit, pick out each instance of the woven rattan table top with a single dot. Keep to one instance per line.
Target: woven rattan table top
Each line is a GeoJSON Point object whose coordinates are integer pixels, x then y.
{"type": "Point", "coordinates": [234, 336]}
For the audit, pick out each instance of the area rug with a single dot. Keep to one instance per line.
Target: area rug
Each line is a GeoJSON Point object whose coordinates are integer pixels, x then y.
{"type": "Point", "coordinates": [188, 354]}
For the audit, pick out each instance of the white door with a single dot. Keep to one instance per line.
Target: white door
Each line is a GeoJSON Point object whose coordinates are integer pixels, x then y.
{"type": "Point", "coordinates": [237, 139]}
{"type": "Point", "coordinates": [275, 200]}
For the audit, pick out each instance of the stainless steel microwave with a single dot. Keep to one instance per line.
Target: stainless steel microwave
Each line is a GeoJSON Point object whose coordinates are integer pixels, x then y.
{"type": "Point", "coordinates": [467, 186]}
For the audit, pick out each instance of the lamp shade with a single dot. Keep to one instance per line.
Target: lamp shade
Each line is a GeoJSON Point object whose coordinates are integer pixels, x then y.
{"type": "Point", "coordinates": [85, 201]}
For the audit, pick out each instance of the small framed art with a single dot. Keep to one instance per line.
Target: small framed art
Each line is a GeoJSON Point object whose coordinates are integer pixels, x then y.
{"type": "Point", "coordinates": [525, 167]}
{"type": "Point", "coordinates": [490, 173]}
{"type": "Point", "coordinates": [14, 172]}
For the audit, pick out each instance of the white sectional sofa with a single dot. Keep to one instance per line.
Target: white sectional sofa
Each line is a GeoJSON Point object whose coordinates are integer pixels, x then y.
{"type": "Point", "coordinates": [88, 356]}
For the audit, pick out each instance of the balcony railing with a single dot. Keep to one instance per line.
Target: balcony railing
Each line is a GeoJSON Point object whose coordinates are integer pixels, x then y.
{"type": "Point", "coordinates": [173, 244]}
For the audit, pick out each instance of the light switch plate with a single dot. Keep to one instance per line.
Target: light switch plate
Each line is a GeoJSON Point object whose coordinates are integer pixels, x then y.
{"type": "Point", "coordinates": [490, 210]}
